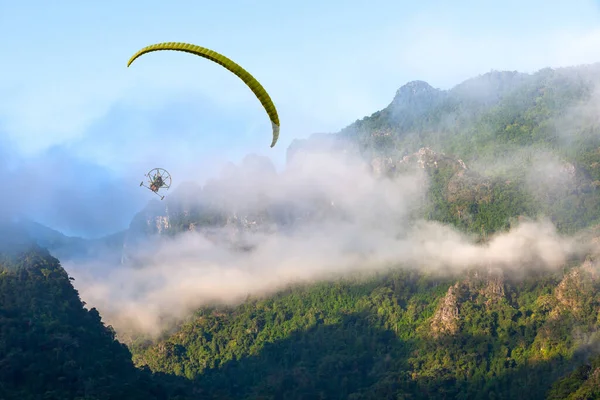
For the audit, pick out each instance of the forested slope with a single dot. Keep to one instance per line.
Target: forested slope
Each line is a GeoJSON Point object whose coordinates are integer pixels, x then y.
{"type": "Point", "coordinates": [51, 347]}
{"type": "Point", "coordinates": [396, 334]}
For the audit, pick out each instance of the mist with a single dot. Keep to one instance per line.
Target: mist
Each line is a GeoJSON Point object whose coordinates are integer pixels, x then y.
{"type": "Point", "coordinates": [326, 215]}
{"type": "Point", "coordinates": [67, 193]}
{"type": "Point", "coordinates": [89, 186]}
{"type": "Point", "coordinates": [360, 223]}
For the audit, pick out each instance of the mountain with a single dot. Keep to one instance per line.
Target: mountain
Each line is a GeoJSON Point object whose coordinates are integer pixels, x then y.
{"type": "Point", "coordinates": [399, 334]}
{"type": "Point", "coordinates": [543, 129]}
{"type": "Point", "coordinates": [496, 150]}
{"type": "Point", "coordinates": [68, 248]}
{"type": "Point", "coordinates": [52, 347]}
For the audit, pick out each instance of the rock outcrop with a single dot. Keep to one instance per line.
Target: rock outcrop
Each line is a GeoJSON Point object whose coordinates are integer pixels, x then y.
{"type": "Point", "coordinates": [577, 291]}
{"type": "Point", "coordinates": [484, 287]}
{"type": "Point", "coordinates": [445, 321]}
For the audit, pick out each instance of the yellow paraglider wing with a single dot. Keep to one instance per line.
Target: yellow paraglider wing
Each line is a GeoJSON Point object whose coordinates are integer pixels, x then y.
{"type": "Point", "coordinates": [244, 75]}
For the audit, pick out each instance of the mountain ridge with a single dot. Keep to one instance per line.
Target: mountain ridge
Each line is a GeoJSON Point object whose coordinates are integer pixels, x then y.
{"type": "Point", "coordinates": [497, 151]}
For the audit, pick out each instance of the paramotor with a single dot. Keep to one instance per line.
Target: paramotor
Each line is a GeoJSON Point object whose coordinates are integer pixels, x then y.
{"type": "Point", "coordinates": [158, 178]}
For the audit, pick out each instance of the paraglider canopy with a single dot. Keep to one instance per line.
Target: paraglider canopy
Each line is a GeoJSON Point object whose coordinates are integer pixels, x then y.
{"type": "Point", "coordinates": [220, 59]}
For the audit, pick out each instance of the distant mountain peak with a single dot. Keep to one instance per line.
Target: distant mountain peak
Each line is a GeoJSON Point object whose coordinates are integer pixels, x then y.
{"type": "Point", "coordinates": [415, 88]}
{"type": "Point", "coordinates": [416, 97]}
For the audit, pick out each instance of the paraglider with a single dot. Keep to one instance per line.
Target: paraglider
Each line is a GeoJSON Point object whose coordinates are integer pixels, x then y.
{"type": "Point", "coordinates": [158, 178]}
{"type": "Point", "coordinates": [220, 59]}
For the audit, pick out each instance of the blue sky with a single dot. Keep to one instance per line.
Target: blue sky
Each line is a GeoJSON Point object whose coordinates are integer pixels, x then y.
{"type": "Point", "coordinates": [70, 108]}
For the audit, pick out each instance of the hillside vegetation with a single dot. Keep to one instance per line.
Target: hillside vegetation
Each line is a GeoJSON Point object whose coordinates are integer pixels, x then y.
{"type": "Point", "coordinates": [396, 334]}
{"type": "Point", "coordinates": [51, 347]}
